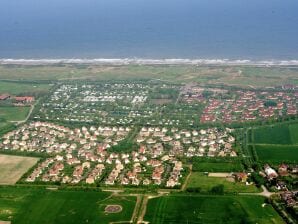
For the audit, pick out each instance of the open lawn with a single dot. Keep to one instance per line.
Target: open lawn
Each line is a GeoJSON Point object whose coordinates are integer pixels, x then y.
{"type": "Point", "coordinates": [205, 183]}
{"type": "Point", "coordinates": [217, 166]}
{"type": "Point", "coordinates": [24, 88]}
{"type": "Point", "coordinates": [36, 205]}
{"type": "Point", "coordinates": [14, 113]}
{"type": "Point", "coordinates": [210, 209]}
{"type": "Point", "coordinates": [13, 167]}
{"type": "Point", "coordinates": [277, 153]}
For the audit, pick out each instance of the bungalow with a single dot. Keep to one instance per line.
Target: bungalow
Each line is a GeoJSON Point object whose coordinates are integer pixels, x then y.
{"type": "Point", "coordinates": [4, 97]}
{"type": "Point", "coordinates": [270, 173]}
{"type": "Point", "coordinates": [146, 181]}
{"type": "Point", "coordinates": [241, 177]}
{"type": "Point", "coordinates": [90, 180]}
{"type": "Point", "coordinates": [171, 183]}
{"type": "Point", "coordinates": [24, 99]}
{"type": "Point", "coordinates": [283, 170]}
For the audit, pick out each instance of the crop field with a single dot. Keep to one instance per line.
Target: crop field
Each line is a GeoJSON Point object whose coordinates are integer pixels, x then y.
{"type": "Point", "coordinates": [210, 209]}
{"type": "Point", "coordinates": [277, 143]}
{"type": "Point", "coordinates": [277, 134]}
{"type": "Point", "coordinates": [277, 153]}
{"type": "Point", "coordinates": [13, 167]}
{"type": "Point", "coordinates": [36, 205]}
{"type": "Point", "coordinates": [205, 183]}
{"type": "Point", "coordinates": [16, 88]}
{"type": "Point", "coordinates": [217, 166]}
{"type": "Point", "coordinates": [293, 128]}
{"type": "Point", "coordinates": [14, 113]}
{"type": "Point", "coordinates": [230, 75]}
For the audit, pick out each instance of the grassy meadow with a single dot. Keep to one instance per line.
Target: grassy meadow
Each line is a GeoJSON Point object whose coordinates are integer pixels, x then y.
{"type": "Point", "coordinates": [11, 113]}
{"type": "Point", "coordinates": [210, 209]}
{"type": "Point", "coordinates": [23, 88]}
{"type": "Point", "coordinates": [205, 183]}
{"type": "Point", "coordinates": [203, 166]}
{"type": "Point", "coordinates": [36, 205]}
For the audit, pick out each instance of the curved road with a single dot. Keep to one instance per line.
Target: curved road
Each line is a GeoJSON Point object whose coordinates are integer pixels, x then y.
{"type": "Point", "coordinates": [264, 193]}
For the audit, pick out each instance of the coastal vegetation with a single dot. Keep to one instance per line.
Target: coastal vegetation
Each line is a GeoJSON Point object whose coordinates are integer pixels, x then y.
{"type": "Point", "coordinates": [250, 76]}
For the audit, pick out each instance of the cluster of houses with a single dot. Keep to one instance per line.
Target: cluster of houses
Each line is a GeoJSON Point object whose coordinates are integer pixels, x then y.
{"type": "Point", "coordinates": [17, 100]}
{"type": "Point", "coordinates": [282, 170]}
{"type": "Point", "coordinates": [241, 105]}
{"type": "Point", "coordinates": [250, 106]}
{"type": "Point", "coordinates": [87, 154]}
{"type": "Point", "coordinates": [128, 103]}
{"type": "Point", "coordinates": [82, 155]}
{"type": "Point", "coordinates": [289, 197]}
{"type": "Point", "coordinates": [189, 143]}
{"type": "Point", "coordinates": [52, 138]}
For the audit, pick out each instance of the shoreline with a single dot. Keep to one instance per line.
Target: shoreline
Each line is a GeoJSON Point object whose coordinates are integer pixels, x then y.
{"type": "Point", "coordinates": [140, 61]}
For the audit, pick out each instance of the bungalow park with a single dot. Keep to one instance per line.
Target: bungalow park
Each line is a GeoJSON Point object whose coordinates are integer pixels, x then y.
{"type": "Point", "coordinates": [89, 154]}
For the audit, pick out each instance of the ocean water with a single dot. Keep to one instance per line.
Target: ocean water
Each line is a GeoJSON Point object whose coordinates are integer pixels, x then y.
{"type": "Point", "coordinates": [193, 29]}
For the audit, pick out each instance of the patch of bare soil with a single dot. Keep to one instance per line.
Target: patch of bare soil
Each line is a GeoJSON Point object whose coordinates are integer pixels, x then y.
{"type": "Point", "coordinates": [113, 208]}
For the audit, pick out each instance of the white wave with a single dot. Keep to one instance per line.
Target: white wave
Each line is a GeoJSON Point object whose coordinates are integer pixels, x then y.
{"type": "Point", "coordinates": [141, 61]}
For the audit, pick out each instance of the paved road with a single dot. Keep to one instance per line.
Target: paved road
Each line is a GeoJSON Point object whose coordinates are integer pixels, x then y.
{"type": "Point", "coordinates": [264, 193]}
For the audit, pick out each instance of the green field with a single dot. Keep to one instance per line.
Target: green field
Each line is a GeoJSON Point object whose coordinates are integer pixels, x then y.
{"type": "Point", "coordinates": [278, 134]}
{"type": "Point", "coordinates": [36, 205]}
{"type": "Point", "coordinates": [276, 144]}
{"type": "Point", "coordinates": [205, 183]}
{"type": "Point", "coordinates": [210, 209]}
{"type": "Point", "coordinates": [277, 153]}
{"type": "Point", "coordinates": [217, 166]}
{"type": "Point", "coordinates": [293, 128]}
{"type": "Point", "coordinates": [14, 113]}
{"type": "Point", "coordinates": [3, 123]}
{"type": "Point", "coordinates": [24, 88]}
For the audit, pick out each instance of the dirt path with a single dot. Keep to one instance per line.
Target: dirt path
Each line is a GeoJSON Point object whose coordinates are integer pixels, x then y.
{"type": "Point", "coordinates": [143, 210]}
{"type": "Point", "coordinates": [135, 213]}
{"type": "Point", "coordinates": [186, 180]}
{"type": "Point", "coordinates": [143, 207]}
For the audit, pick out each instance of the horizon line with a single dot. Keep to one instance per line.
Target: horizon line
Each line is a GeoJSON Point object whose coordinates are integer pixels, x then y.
{"type": "Point", "coordinates": [143, 61]}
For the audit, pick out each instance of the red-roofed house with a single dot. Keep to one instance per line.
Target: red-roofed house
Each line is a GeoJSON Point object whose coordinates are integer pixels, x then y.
{"type": "Point", "coordinates": [24, 99]}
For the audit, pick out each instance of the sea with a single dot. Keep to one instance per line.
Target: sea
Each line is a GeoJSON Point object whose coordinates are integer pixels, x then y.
{"type": "Point", "coordinates": [212, 30]}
